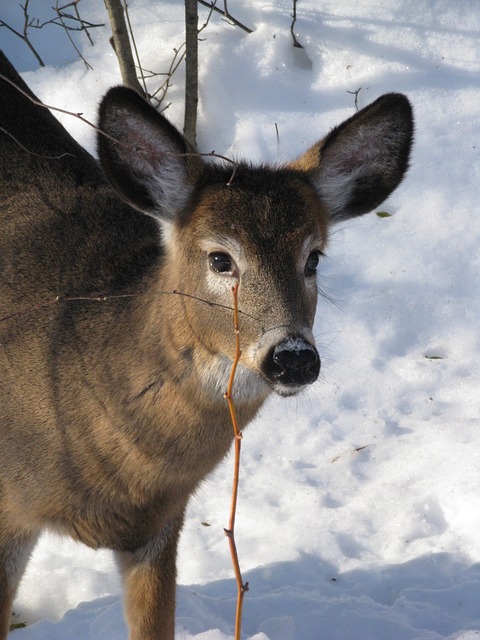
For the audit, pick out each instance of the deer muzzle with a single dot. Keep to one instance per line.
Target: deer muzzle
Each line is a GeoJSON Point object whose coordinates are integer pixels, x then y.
{"type": "Point", "coordinates": [294, 362]}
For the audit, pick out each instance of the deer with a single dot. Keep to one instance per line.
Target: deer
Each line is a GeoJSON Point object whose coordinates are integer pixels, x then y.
{"type": "Point", "coordinates": [116, 334]}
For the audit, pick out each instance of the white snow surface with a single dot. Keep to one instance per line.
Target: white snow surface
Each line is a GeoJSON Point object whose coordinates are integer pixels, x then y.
{"type": "Point", "coordinates": [359, 512]}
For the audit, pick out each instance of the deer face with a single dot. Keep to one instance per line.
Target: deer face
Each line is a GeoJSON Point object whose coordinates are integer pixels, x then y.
{"type": "Point", "coordinates": [263, 228]}
{"type": "Point", "coordinates": [265, 231]}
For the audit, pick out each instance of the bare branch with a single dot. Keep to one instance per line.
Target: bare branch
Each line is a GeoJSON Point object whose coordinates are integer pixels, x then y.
{"type": "Point", "coordinates": [61, 18]}
{"type": "Point", "coordinates": [32, 153]}
{"type": "Point", "coordinates": [179, 55]}
{"type": "Point", "coordinates": [355, 93]}
{"type": "Point", "coordinates": [84, 24]}
{"type": "Point", "coordinates": [121, 296]}
{"type": "Point", "coordinates": [24, 36]}
{"type": "Point", "coordinates": [226, 14]}
{"type": "Point", "coordinates": [296, 43]}
{"type": "Point", "coordinates": [38, 103]}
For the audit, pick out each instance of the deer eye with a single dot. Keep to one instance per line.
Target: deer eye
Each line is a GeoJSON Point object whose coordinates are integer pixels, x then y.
{"type": "Point", "coordinates": [220, 262]}
{"type": "Point", "coordinates": [312, 263]}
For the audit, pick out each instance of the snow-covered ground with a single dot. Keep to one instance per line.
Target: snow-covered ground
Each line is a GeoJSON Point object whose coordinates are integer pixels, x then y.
{"type": "Point", "coordinates": [359, 514]}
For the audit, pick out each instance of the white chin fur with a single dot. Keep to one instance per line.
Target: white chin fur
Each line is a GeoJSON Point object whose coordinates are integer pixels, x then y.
{"type": "Point", "coordinates": [248, 385]}
{"type": "Point", "coordinates": [286, 391]}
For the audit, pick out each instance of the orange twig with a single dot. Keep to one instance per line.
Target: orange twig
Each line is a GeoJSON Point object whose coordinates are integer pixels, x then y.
{"type": "Point", "coordinates": [230, 532]}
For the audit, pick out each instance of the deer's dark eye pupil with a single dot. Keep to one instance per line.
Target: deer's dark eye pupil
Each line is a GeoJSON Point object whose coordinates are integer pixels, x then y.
{"type": "Point", "coordinates": [312, 263]}
{"type": "Point", "coordinates": [220, 262]}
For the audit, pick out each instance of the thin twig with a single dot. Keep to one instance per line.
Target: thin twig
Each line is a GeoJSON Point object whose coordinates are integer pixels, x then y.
{"type": "Point", "coordinates": [178, 57]}
{"type": "Point", "coordinates": [296, 43]}
{"type": "Point", "coordinates": [61, 17]}
{"type": "Point", "coordinates": [38, 103]}
{"type": "Point", "coordinates": [242, 587]}
{"type": "Point", "coordinates": [32, 153]}
{"type": "Point", "coordinates": [24, 36]}
{"type": "Point", "coordinates": [226, 14]}
{"type": "Point", "coordinates": [83, 23]}
{"type": "Point", "coordinates": [213, 154]}
{"type": "Point", "coordinates": [118, 296]}
{"type": "Point", "coordinates": [355, 93]}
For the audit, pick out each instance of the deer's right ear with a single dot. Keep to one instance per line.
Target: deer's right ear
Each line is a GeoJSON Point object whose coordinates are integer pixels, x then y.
{"type": "Point", "coordinates": [364, 159]}
{"type": "Point", "coordinates": [143, 155]}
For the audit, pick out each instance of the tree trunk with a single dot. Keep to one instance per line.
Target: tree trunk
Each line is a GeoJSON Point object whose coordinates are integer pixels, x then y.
{"type": "Point", "coordinates": [121, 45]}
{"type": "Point", "coordinates": [191, 73]}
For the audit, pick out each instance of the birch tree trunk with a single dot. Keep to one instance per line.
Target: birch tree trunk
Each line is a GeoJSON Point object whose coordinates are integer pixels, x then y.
{"type": "Point", "coordinates": [121, 45]}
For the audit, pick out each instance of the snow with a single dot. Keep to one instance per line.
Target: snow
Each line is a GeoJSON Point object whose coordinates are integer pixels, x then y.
{"type": "Point", "coordinates": [359, 501]}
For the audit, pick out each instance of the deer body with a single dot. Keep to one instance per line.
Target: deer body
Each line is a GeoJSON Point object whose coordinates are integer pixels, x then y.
{"type": "Point", "coordinates": [112, 410]}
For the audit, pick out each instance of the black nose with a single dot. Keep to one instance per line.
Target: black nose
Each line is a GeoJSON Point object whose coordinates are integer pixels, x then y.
{"type": "Point", "coordinates": [294, 362]}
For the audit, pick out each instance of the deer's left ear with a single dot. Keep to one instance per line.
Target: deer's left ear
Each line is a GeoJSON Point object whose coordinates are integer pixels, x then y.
{"type": "Point", "coordinates": [364, 159]}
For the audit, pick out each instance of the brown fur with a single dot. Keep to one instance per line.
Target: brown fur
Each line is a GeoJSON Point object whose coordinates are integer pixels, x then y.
{"type": "Point", "coordinates": [112, 412]}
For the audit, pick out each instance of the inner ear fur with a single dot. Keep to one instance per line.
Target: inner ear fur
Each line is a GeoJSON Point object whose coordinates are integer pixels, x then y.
{"type": "Point", "coordinates": [144, 156]}
{"type": "Point", "coordinates": [360, 162]}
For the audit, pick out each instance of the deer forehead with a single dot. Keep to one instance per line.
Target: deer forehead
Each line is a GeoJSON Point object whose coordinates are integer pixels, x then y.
{"type": "Point", "coordinates": [274, 211]}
